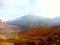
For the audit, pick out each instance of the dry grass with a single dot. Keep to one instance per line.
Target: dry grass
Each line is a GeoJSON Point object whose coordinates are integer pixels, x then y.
{"type": "Point", "coordinates": [6, 43]}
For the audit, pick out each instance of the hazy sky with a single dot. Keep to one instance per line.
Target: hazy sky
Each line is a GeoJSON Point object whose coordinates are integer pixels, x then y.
{"type": "Point", "coordinates": [10, 9]}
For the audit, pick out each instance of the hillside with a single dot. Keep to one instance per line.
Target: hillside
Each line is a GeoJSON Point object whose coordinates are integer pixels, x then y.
{"type": "Point", "coordinates": [11, 33]}
{"type": "Point", "coordinates": [29, 22]}
{"type": "Point", "coordinates": [29, 19]}
{"type": "Point", "coordinates": [7, 31]}
{"type": "Point", "coordinates": [43, 32]}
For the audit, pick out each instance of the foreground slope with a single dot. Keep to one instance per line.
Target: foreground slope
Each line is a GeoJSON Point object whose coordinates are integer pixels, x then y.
{"type": "Point", "coordinates": [43, 32]}
{"type": "Point", "coordinates": [7, 31]}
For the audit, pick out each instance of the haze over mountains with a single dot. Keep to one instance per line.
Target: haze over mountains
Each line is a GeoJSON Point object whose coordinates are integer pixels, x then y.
{"type": "Point", "coordinates": [33, 19]}
{"type": "Point", "coordinates": [29, 21]}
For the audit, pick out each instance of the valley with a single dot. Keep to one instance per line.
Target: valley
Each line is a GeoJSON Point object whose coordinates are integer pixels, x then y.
{"type": "Point", "coordinates": [29, 30]}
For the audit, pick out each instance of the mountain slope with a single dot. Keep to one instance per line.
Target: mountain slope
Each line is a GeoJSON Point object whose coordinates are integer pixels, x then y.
{"type": "Point", "coordinates": [29, 19]}
{"type": "Point", "coordinates": [43, 32]}
{"type": "Point", "coordinates": [30, 22]}
{"type": "Point", "coordinates": [8, 30]}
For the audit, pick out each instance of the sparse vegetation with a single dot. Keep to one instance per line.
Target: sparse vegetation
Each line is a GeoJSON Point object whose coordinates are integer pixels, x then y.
{"type": "Point", "coordinates": [33, 35]}
{"type": "Point", "coordinates": [48, 35]}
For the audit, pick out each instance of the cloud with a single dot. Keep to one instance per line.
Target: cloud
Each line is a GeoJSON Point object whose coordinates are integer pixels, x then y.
{"type": "Point", "coordinates": [14, 3]}
{"type": "Point", "coordinates": [3, 18]}
{"type": "Point", "coordinates": [50, 8]}
{"type": "Point", "coordinates": [17, 8]}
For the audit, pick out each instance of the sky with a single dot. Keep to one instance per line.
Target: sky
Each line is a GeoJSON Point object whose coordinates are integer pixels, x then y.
{"type": "Point", "coordinates": [11, 9]}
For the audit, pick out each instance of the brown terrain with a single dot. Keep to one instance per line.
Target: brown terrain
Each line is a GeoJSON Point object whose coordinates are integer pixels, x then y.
{"type": "Point", "coordinates": [47, 35]}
